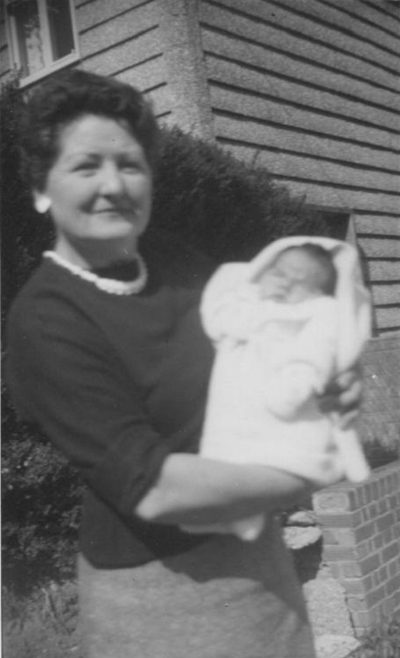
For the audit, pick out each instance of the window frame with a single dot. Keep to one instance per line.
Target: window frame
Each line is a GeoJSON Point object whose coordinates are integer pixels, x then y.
{"type": "Point", "coordinates": [50, 65]}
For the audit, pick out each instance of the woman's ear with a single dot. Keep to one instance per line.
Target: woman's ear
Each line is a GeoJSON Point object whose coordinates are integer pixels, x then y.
{"type": "Point", "coordinates": [41, 202]}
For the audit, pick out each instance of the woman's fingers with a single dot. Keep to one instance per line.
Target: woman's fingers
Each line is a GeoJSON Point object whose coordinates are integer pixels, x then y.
{"type": "Point", "coordinates": [343, 397]}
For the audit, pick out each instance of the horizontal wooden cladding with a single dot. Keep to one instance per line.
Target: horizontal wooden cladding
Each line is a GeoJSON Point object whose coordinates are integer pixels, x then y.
{"type": "Point", "coordinates": [377, 224]}
{"type": "Point", "coordinates": [386, 7]}
{"type": "Point", "coordinates": [386, 294]}
{"type": "Point", "coordinates": [92, 13]}
{"type": "Point", "coordinates": [384, 271]}
{"type": "Point", "coordinates": [143, 51]}
{"type": "Point", "coordinates": [319, 194]}
{"type": "Point", "coordinates": [145, 75]}
{"type": "Point", "coordinates": [162, 100]}
{"type": "Point", "coordinates": [281, 25]}
{"type": "Point", "coordinates": [387, 318]}
{"type": "Point", "coordinates": [278, 151]}
{"type": "Point", "coordinates": [260, 57]}
{"type": "Point", "coordinates": [117, 30]}
{"type": "Point", "coordinates": [380, 247]}
{"type": "Point", "coordinates": [321, 10]}
{"type": "Point", "coordinates": [248, 107]}
{"type": "Point", "coordinates": [370, 14]}
{"type": "Point", "coordinates": [249, 80]}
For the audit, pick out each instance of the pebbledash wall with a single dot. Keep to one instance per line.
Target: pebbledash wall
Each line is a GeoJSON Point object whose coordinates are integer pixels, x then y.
{"type": "Point", "coordinates": [361, 540]}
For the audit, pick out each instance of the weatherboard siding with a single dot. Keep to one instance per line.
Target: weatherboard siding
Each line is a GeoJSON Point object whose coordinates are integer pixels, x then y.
{"type": "Point", "coordinates": [310, 89]}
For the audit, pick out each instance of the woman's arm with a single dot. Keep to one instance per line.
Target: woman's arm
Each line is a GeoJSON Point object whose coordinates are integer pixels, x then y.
{"type": "Point", "coordinates": [199, 491]}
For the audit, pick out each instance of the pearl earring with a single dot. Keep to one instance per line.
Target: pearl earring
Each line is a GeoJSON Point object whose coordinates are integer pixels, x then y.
{"type": "Point", "coordinates": [42, 203]}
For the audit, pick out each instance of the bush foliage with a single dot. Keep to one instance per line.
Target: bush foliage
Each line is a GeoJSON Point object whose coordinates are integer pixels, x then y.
{"type": "Point", "coordinates": [220, 205]}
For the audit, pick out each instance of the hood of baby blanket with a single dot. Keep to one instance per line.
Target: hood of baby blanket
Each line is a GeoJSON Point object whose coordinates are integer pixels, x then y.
{"type": "Point", "coordinates": [354, 301]}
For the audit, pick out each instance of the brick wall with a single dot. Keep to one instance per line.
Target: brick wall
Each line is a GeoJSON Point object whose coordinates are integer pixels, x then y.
{"type": "Point", "coordinates": [379, 425]}
{"type": "Point", "coordinates": [361, 543]}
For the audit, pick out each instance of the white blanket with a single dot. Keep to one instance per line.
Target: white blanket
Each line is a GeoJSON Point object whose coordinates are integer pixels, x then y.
{"type": "Point", "coordinates": [272, 360]}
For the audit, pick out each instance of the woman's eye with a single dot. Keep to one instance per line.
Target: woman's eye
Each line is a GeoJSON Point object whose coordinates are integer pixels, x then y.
{"type": "Point", "coordinates": [85, 167]}
{"type": "Point", "coordinates": [130, 166]}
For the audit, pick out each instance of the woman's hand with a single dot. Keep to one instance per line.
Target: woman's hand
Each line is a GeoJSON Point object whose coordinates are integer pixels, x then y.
{"type": "Point", "coordinates": [342, 397]}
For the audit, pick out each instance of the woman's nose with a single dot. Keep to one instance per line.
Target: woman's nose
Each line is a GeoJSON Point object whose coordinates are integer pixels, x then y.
{"type": "Point", "coordinates": [111, 182]}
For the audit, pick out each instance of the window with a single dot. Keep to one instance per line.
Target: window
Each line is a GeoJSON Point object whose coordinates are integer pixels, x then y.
{"type": "Point", "coordinates": [42, 36]}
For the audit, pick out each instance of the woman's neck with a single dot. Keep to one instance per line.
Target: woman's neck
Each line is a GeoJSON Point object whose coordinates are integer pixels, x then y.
{"type": "Point", "coordinates": [96, 254]}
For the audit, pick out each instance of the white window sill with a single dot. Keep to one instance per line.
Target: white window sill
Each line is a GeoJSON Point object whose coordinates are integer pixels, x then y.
{"type": "Point", "coordinates": [48, 70]}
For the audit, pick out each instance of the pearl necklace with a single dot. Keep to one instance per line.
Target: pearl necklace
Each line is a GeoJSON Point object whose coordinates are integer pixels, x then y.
{"type": "Point", "coordinates": [111, 286]}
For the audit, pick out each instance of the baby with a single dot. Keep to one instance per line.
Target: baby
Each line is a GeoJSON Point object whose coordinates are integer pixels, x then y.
{"type": "Point", "coordinates": [284, 326]}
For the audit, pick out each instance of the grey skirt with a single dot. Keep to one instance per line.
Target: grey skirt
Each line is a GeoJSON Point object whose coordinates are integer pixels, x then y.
{"type": "Point", "coordinates": [224, 599]}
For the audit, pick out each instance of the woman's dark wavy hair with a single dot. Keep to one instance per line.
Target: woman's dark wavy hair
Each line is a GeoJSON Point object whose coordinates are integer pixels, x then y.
{"type": "Point", "coordinates": [65, 97]}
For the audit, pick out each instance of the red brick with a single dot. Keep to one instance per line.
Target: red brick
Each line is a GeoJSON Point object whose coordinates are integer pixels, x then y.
{"type": "Point", "coordinates": [378, 542]}
{"type": "Point", "coordinates": [393, 568]}
{"type": "Point", "coordinates": [350, 569]}
{"type": "Point", "coordinates": [336, 570]}
{"type": "Point", "coordinates": [393, 585]}
{"type": "Point", "coordinates": [358, 586]}
{"type": "Point", "coordinates": [376, 596]}
{"type": "Point", "coordinates": [364, 549]}
{"type": "Point", "coordinates": [365, 514]}
{"type": "Point", "coordinates": [329, 536]}
{"type": "Point", "coordinates": [333, 501]}
{"type": "Point", "coordinates": [357, 604]}
{"type": "Point", "coordinates": [389, 606]}
{"type": "Point", "coordinates": [342, 536]}
{"type": "Point", "coordinates": [345, 520]}
{"type": "Point", "coordinates": [375, 490]}
{"type": "Point", "coordinates": [369, 491]}
{"type": "Point", "coordinates": [370, 563]}
{"type": "Point", "coordinates": [373, 510]}
{"type": "Point", "coordinates": [375, 579]}
{"type": "Point", "coordinates": [388, 535]}
{"type": "Point", "coordinates": [362, 496]}
{"type": "Point", "coordinates": [364, 531]}
{"type": "Point", "coordinates": [366, 619]}
{"type": "Point", "coordinates": [385, 521]}
{"type": "Point", "coordinates": [390, 551]}
{"type": "Point", "coordinates": [382, 504]}
{"type": "Point", "coordinates": [383, 574]}
{"type": "Point", "coordinates": [337, 553]}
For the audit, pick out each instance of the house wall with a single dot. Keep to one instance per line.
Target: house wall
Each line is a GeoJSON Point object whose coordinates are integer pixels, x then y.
{"type": "Point", "coordinates": [154, 45]}
{"type": "Point", "coordinates": [310, 88]}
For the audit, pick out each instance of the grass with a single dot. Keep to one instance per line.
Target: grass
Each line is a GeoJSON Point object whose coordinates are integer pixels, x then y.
{"type": "Point", "coordinates": [42, 624]}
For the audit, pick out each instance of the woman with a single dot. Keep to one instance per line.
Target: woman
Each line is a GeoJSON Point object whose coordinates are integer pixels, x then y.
{"type": "Point", "coordinates": [106, 354]}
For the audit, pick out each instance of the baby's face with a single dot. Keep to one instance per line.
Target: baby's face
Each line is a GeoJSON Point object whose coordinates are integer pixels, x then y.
{"type": "Point", "coordinates": [292, 278]}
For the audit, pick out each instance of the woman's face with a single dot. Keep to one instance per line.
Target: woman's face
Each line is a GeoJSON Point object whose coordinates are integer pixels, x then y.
{"type": "Point", "coordinates": [100, 185]}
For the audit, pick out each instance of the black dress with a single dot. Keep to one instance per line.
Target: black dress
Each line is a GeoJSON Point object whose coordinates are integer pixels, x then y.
{"type": "Point", "coordinates": [117, 383]}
